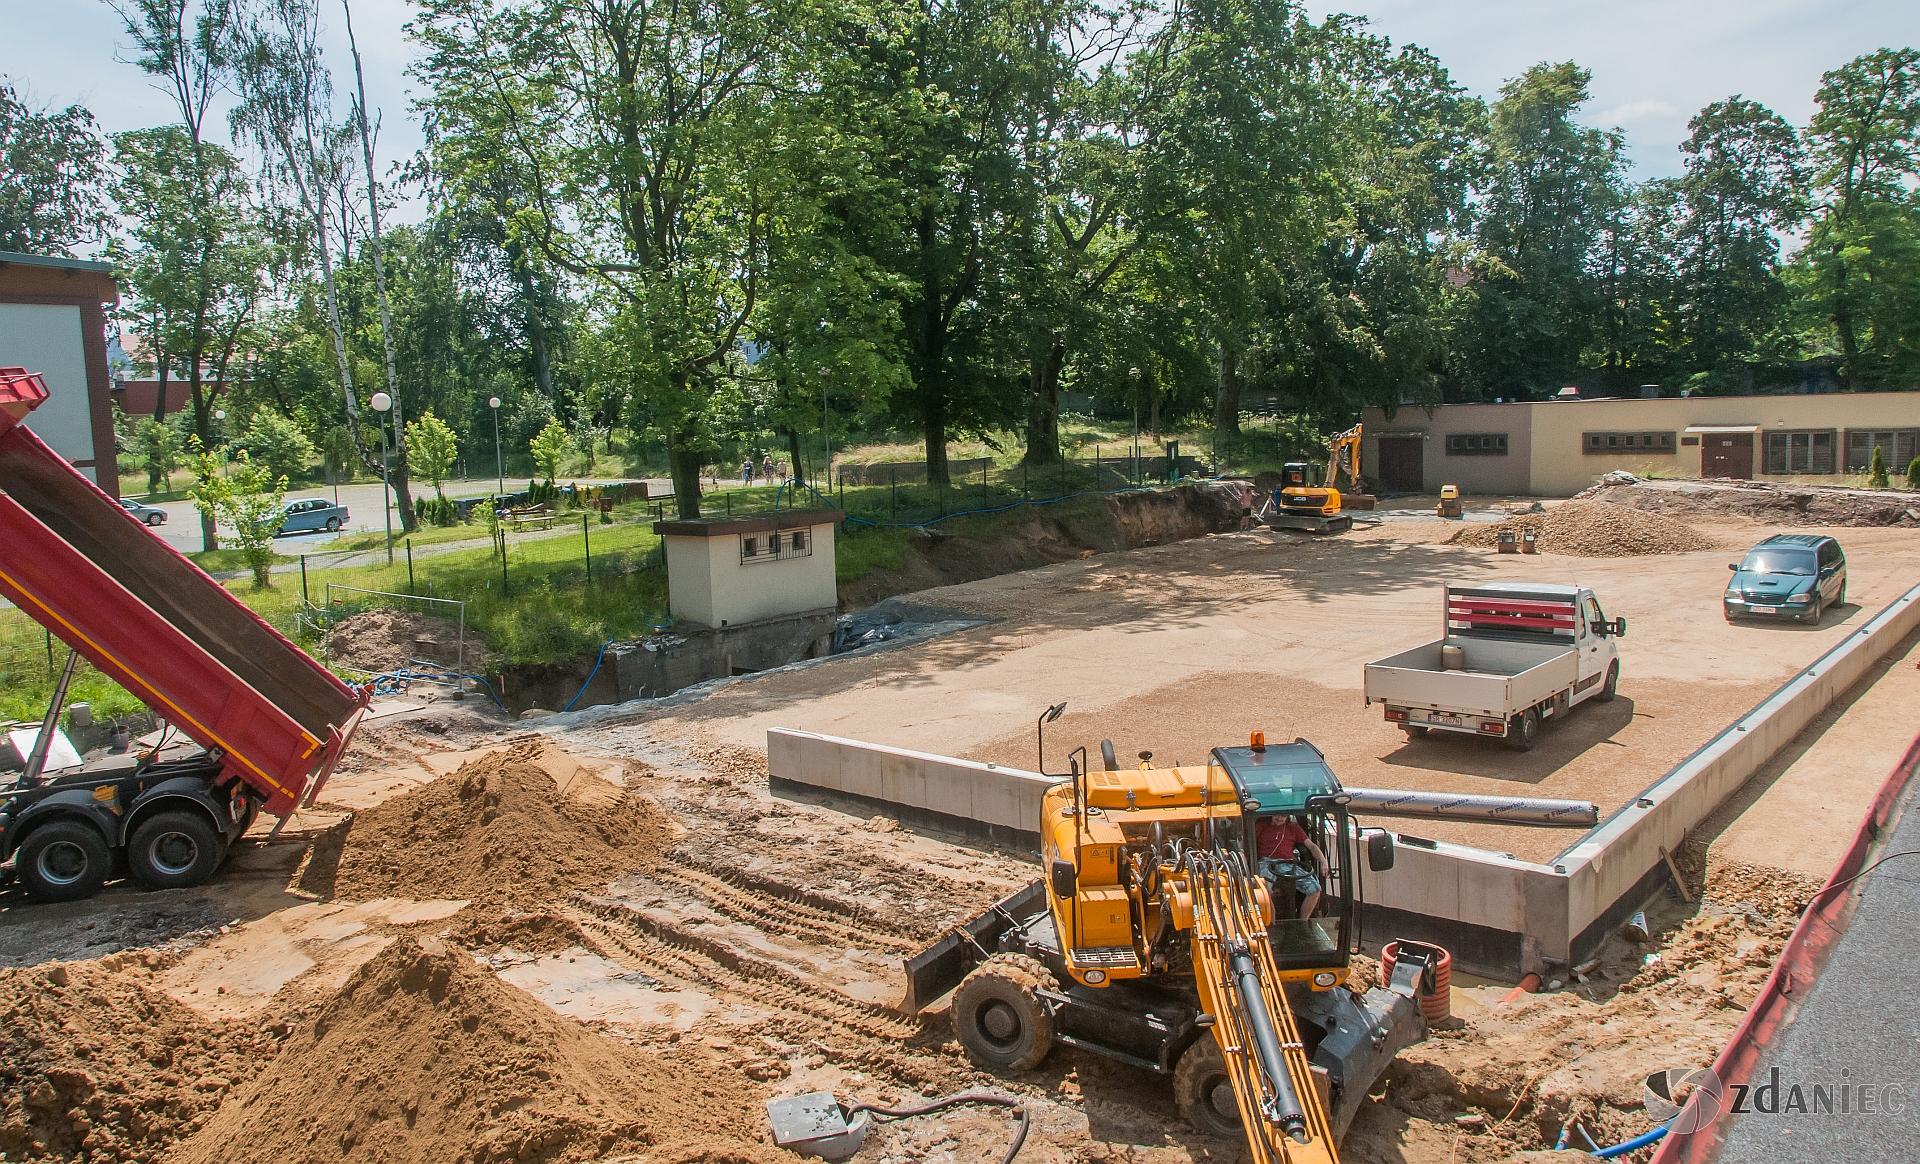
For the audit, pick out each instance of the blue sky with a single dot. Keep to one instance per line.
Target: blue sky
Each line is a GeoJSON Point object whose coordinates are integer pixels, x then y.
{"type": "Point", "coordinates": [1654, 64]}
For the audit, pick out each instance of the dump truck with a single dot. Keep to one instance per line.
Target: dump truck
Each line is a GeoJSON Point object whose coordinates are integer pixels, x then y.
{"type": "Point", "coordinates": [1153, 940]}
{"type": "Point", "coordinates": [251, 722]}
{"type": "Point", "coordinates": [1510, 655]}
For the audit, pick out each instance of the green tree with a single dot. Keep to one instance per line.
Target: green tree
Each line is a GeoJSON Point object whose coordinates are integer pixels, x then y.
{"type": "Point", "coordinates": [1913, 473]}
{"type": "Point", "coordinates": [337, 454]}
{"type": "Point", "coordinates": [245, 497]}
{"type": "Point", "coordinates": [1865, 141]}
{"type": "Point", "coordinates": [159, 445]}
{"type": "Point", "coordinates": [550, 447]}
{"type": "Point", "coordinates": [433, 448]}
{"type": "Point", "coordinates": [1877, 471]}
{"type": "Point", "coordinates": [276, 444]}
{"type": "Point", "coordinates": [51, 200]}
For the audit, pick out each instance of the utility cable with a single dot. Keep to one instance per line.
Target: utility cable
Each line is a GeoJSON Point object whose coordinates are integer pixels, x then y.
{"type": "Point", "coordinates": [987, 1097]}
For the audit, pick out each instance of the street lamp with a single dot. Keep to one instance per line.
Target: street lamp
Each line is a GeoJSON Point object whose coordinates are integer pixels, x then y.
{"type": "Point", "coordinates": [1134, 374]}
{"type": "Point", "coordinates": [499, 461]}
{"type": "Point", "coordinates": [826, 432]}
{"type": "Point", "coordinates": [219, 417]}
{"type": "Point", "coordinates": [381, 402]}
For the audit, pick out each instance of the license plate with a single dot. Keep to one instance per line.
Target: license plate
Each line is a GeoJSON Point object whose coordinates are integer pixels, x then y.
{"type": "Point", "coordinates": [1763, 610]}
{"type": "Point", "coordinates": [1442, 717]}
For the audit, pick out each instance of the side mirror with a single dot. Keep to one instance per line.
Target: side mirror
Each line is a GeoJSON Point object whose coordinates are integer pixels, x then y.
{"type": "Point", "coordinates": [1064, 877]}
{"type": "Point", "coordinates": [1734, 566]}
{"type": "Point", "coordinates": [1618, 627]}
{"type": "Point", "coordinates": [1380, 851]}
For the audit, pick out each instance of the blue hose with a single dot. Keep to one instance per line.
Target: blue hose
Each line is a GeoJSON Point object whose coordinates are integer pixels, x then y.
{"type": "Point", "coordinates": [590, 675]}
{"type": "Point", "coordinates": [1632, 1145]}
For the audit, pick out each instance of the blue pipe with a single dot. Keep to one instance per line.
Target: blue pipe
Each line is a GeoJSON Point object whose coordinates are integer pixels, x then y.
{"type": "Point", "coordinates": [590, 675]}
{"type": "Point", "coordinates": [1632, 1145]}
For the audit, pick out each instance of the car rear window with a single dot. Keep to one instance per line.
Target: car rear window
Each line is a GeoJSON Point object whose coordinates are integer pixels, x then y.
{"type": "Point", "coordinates": [1780, 562]}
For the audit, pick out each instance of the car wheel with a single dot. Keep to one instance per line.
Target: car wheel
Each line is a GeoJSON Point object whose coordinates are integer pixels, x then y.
{"type": "Point", "coordinates": [333, 525]}
{"type": "Point", "coordinates": [1840, 598]}
{"type": "Point", "coordinates": [1612, 683]}
{"type": "Point", "coordinates": [1813, 616]}
{"type": "Point", "coordinates": [1204, 1091]}
{"type": "Point", "coordinates": [1523, 730]}
{"type": "Point", "coordinates": [156, 518]}
{"type": "Point", "coordinates": [64, 860]}
{"type": "Point", "coordinates": [172, 850]}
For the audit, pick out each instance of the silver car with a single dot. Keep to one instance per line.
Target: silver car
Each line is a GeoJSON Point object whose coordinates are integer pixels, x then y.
{"type": "Point", "coordinates": [314, 513]}
{"type": "Point", "coordinates": [144, 514]}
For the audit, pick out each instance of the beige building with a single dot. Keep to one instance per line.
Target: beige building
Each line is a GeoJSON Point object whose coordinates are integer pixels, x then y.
{"type": "Point", "coordinates": [1557, 448]}
{"type": "Point", "coordinates": [731, 571]}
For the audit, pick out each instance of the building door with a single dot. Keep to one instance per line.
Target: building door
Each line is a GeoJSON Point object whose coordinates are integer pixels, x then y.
{"type": "Point", "coordinates": [1727, 455]}
{"type": "Point", "coordinates": [1401, 470]}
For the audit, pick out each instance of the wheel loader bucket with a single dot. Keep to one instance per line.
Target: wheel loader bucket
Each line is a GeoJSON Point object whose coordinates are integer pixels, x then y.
{"type": "Point", "coordinates": [936, 970]}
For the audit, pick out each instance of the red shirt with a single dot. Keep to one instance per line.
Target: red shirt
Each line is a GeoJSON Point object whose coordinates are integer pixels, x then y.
{"type": "Point", "coordinates": [1277, 839]}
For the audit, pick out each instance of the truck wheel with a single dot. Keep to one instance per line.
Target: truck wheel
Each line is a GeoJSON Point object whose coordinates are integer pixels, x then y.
{"type": "Point", "coordinates": [1000, 1018]}
{"type": "Point", "coordinates": [172, 850]}
{"type": "Point", "coordinates": [1523, 730]}
{"type": "Point", "coordinates": [64, 860]}
{"type": "Point", "coordinates": [1204, 1091]}
{"type": "Point", "coordinates": [1612, 684]}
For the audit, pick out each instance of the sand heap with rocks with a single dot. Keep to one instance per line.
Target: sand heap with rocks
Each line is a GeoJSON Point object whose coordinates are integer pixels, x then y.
{"type": "Point", "coordinates": [519, 825]}
{"type": "Point", "coordinates": [96, 1059]}
{"type": "Point", "coordinates": [1593, 529]}
{"type": "Point", "coordinates": [425, 1058]}
{"type": "Point", "coordinates": [390, 640]}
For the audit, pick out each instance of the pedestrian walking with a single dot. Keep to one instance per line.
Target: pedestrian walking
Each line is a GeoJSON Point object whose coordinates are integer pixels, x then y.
{"type": "Point", "coordinates": [746, 471]}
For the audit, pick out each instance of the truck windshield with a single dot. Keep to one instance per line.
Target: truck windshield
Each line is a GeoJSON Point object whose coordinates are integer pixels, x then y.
{"type": "Point", "coordinates": [1800, 562]}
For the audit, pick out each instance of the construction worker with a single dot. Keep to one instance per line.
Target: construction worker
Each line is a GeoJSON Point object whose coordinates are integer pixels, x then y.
{"type": "Point", "coordinates": [1246, 505]}
{"type": "Point", "coordinates": [1277, 841]}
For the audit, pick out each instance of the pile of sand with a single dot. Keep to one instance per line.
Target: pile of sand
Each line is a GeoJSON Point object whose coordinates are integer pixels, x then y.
{"type": "Point", "coordinates": [1593, 529]}
{"type": "Point", "coordinates": [389, 640]}
{"type": "Point", "coordinates": [523, 824]}
{"type": "Point", "coordinates": [1775, 504]}
{"type": "Point", "coordinates": [94, 1057]}
{"type": "Point", "coordinates": [425, 1057]}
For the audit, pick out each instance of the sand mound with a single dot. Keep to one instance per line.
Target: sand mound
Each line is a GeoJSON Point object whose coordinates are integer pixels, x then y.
{"type": "Point", "coordinates": [388, 640]}
{"type": "Point", "coordinates": [1593, 529]}
{"type": "Point", "coordinates": [425, 1057]}
{"type": "Point", "coordinates": [94, 1059]}
{"type": "Point", "coordinates": [522, 824]}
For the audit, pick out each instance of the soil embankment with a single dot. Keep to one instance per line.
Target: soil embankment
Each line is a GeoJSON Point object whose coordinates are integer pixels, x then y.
{"type": "Point", "coordinates": [1593, 529]}
{"type": "Point", "coordinates": [967, 550]}
{"type": "Point", "coordinates": [1765, 501]}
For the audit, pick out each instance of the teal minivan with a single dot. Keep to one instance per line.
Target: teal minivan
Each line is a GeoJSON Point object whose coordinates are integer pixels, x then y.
{"type": "Point", "coordinates": [1795, 576]}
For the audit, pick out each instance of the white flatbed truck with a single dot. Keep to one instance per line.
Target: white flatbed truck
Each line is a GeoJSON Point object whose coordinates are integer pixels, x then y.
{"type": "Point", "coordinates": [1510, 655]}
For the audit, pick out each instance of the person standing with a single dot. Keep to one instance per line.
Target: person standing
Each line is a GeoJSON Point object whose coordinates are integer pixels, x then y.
{"type": "Point", "coordinates": [766, 468]}
{"type": "Point", "coordinates": [746, 470]}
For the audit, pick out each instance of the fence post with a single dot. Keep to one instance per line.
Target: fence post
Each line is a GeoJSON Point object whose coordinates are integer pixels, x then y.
{"type": "Point", "coordinates": [410, 585]}
{"type": "Point", "coordinates": [305, 598]}
{"type": "Point", "coordinates": [893, 500]}
{"type": "Point", "coordinates": [587, 543]}
{"type": "Point", "coordinates": [503, 561]}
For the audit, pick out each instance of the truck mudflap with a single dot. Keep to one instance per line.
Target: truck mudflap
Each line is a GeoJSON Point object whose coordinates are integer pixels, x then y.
{"type": "Point", "coordinates": [1364, 1033]}
{"type": "Point", "coordinates": [935, 971]}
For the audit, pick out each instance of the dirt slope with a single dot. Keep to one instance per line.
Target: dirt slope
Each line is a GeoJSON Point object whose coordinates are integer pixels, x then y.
{"type": "Point", "coordinates": [1593, 529]}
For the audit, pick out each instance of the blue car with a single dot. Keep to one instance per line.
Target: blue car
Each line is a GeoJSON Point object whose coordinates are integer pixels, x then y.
{"type": "Point", "coordinates": [144, 514]}
{"type": "Point", "coordinates": [315, 513]}
{"type": "Point", "coordinates": [1793, 576]}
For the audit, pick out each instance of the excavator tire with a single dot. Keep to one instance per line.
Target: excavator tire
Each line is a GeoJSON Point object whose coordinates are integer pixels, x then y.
{"type": "Point", "coordinates": [999, 1016]}
{"type": "Point", "coordinates": [1204, 1091]}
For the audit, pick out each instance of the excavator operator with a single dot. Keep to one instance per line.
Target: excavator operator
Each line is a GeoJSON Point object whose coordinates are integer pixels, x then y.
{"type": "Point", "coordinates": [1277, 840]}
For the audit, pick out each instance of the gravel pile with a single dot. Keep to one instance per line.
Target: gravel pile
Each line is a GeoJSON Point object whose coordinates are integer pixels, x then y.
{"type": "Point", "coordinates": [1593, 529]}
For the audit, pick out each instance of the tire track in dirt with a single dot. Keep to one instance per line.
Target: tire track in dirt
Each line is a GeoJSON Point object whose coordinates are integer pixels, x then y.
{"type": "Point", "coordinates": [744, 898]}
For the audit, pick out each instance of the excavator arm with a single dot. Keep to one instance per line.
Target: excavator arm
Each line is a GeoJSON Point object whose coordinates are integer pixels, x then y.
{"type": "Point", "coordinates": [1343, 456]}
{"type": "Point", "coordinates": [1280, 1108]}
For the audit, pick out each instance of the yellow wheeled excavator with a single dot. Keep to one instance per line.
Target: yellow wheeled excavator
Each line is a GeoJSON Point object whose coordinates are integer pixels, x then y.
{"type": "Point", "coordinates": [1300, 504]}
{"type": "Point", "coordinates": [1153, 940]}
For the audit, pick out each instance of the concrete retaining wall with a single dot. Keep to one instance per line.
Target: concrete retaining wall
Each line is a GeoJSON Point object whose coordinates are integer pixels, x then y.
{"type": "Point", "coordinates": [1500, 916]}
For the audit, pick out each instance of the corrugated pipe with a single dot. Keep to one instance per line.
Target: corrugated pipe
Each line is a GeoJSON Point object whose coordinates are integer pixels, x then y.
{"type": "Point", "coordinates": [1516, 810]}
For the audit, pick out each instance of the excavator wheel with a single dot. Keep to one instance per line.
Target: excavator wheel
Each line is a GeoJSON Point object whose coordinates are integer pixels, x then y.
{"type": "Point", "coordinates": [1204, 1091]}
{"type": "Point", "coordinates": [999, 1015]}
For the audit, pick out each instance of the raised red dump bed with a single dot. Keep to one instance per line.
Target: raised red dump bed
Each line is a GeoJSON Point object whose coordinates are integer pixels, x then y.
{"type": "Point", "coordinates": [102, 583]}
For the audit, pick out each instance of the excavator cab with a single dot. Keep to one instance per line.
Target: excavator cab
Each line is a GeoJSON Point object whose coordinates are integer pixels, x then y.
{"type": "Point", "coordinates": [1154, 939]}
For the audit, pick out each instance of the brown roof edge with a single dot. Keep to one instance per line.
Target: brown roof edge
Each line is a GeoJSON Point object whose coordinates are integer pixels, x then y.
{"type": "Point", "coordinates": [715, 527]}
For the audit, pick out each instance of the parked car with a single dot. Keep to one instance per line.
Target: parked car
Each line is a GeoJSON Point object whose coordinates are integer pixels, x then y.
{"type": "Point", "coordinates": [315, 513]}
{"type": "Point", "coordinates": [144, 514]}
{"type": "Point", "coordinates": [1788, 576]}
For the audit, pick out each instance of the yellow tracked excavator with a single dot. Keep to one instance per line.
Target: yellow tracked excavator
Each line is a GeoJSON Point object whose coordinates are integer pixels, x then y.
{"type": "Point", "coordinates": [1153, 939]}
{"type": "Point", "coordinates": [1300, 504]}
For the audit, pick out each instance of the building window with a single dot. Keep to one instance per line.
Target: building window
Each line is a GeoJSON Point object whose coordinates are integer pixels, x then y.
{"type": "Point", "coordinates": [775, 547]}
{"type": "Point", "coordinates": [1600, 444]}
{"type": "Point", "coordinates": [1477, 444]}
{"type": "Point", "coordinates": [1800, 452]}
{"type": "Point", "coordinates": [1898, 447]}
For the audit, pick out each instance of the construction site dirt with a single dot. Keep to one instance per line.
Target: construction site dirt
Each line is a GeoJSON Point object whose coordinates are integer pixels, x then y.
{"type": "Point", "coordinates": [672, 944]}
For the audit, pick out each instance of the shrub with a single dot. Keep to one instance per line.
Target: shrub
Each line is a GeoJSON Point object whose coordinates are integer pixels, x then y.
{"type": "Point", "coordinates": [276, 444]}
{"type": "Point", "coordinates": [1877, 471]}
{"type": "Point", "coordinates": [1913, 473]}
{"type": "Point", "coordinates": [437, 511]}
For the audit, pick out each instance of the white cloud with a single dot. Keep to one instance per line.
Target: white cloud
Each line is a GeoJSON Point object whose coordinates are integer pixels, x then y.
{"type": "Point", "coordinates": [1633, 112]}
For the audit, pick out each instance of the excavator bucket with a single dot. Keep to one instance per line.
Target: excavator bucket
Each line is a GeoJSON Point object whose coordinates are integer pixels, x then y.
{"type": "Point", "coordinates": [936, 970]}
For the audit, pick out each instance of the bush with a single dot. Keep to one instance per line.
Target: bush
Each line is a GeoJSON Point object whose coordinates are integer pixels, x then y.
{"type": "Point", "coordinates": [437, 511]}
{"type": "Point", "coordinates": [276, 444]}
{"type": "Point", "coordinates": [1877, 471]}
{"type": "Point", "coordinates": [1913, 473]}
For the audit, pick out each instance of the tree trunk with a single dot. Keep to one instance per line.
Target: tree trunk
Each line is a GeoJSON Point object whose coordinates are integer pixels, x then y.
{"type": "Point", "coordinates": [1226, 404]}
{"type": "Point", "coordinates": [934, 415]}
{"type": "Point", "coordinates": [793, 451]}
{"type": "Point", "coordinates": [683, 465]}
{"type": "Point", "coordinates": [1843, 323]}
{"type": "Point", "coordinates": [1043, 412]}
{"type": "Point", "coordinates": [536, 335]}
